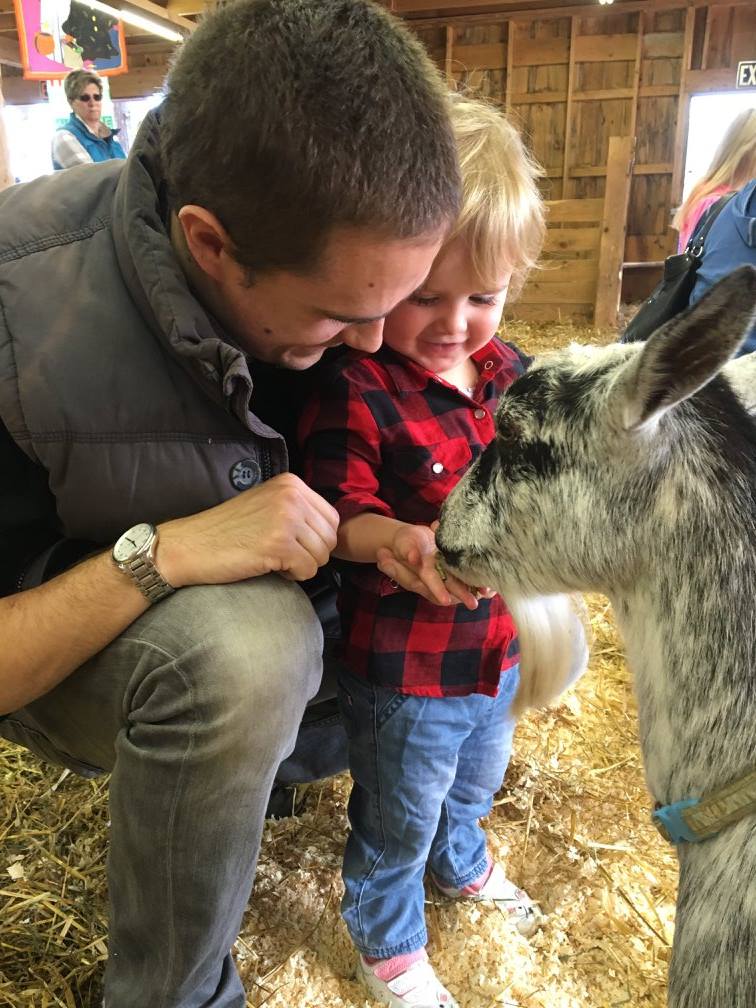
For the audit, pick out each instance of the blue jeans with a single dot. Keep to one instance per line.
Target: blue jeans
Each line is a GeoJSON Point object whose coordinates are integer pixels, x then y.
{"type": "Point", "coordinates": [425, 770]}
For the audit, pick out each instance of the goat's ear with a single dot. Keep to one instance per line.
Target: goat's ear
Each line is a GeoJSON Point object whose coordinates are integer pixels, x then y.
{"type": "Point", "coordinates": [687, 352]}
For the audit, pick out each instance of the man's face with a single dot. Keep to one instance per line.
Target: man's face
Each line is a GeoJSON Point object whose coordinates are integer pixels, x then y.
{"type": "Point", "coordinates": [291, 319]}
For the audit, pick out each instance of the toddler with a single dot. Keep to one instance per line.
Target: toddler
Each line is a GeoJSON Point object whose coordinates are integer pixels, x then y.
{"type": "Point", "coordinates": [433, 663]}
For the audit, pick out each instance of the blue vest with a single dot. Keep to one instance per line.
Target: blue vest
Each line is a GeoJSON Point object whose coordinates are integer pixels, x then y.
{"type": "Point", "coordinates": [98, 148]}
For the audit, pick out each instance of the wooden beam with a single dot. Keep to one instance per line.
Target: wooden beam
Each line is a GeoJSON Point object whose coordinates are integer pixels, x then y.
{"type": "Point", "coordinates": [569, 110]}
{"type": "Point", "coordinates": [186, 6]}
{"type": "Point", "coordinates": [683, 111]}
{"type": "Point", "coordinates": [9, 52]}
{"type": "Point", "coordinates": [449, 55]}
{"type": "Point", "coordinates": [614, 229]}
{"type": "Point", "coordinates": [157, 12]}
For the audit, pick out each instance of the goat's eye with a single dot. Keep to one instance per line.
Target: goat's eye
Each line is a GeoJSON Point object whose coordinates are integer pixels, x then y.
{"type": "Point", "coordinates": [508, 434]}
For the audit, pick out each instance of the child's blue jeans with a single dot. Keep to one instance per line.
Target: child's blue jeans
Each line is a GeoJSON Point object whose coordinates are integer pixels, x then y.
{"type": "Point", "coordinates": [425, 770]}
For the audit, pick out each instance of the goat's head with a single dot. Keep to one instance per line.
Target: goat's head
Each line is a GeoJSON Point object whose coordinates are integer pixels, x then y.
{"type": "Point", "coordinates": [596, 447]}
{"type": "Point", "coordinates": [590, 442]}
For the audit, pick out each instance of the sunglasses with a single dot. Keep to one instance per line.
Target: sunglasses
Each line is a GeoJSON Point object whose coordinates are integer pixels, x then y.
{"type": "Point", "coordinates": [90, 98]}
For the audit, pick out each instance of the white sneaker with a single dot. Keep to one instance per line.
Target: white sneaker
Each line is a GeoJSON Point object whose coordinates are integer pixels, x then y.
{"type": "Point", "coordinates": [526, 915]}
{"type": "Point", "coordinates": [418, 987]}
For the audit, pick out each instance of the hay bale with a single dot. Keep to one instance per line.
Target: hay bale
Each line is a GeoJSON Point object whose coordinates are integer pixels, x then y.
{"type": "Point", "coordinates": [571, 824]}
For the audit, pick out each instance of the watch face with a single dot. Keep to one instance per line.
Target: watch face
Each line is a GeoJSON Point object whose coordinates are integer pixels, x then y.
{"type": "Point", "coordinates": [132, 542]}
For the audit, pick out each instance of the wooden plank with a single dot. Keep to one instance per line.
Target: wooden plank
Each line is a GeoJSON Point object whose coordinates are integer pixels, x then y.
{"type": "Point", "coordinates": [510, 66]}
{"type": "Point", "coordinates": [568, 113]}
{"type": "Point", "coordinates": [660, 168]}
{"type": "Point", "coordinates": [162, 15]}
{"type": "Point", "coordinates": [585, 239]}
{"type": "Point", "coordinates": [572, 211]}
{"type": "Point", "coordinates": [538, 98]}
{"type": "Point", "coordinates": [540, 52]}
{"type": "Point", "coordinates": [704, 81]}
{"type": "Point", "coordinates": [614, 228]}
{"type": "Point", "coordinates": [449, 54]}
{"type": "Point", "coordinates": [10, 54]}
{"type": "Point", "coordinates": [607, 94]}
{"type": "Point", "coordinates": [557, 271]}
{"type": "Point", "coordinates": [683, 111]}
{"type": "Point", "coordinates": [605, 48]}
{"type": "Point", "coordinates": [520, 311]}
{"type": "Point", "coordinates": [544, 291]}
{"type": "Point", "coordinates": [658, 91]}
{"type": "Point", "coordinates": [660, 44]}
{"type": "Point", "coordinates": [648, 248]}
{"type": "Point", "coordinates": [588, 171]}
{"type": "Point", "coordinates": [637, 72]}
{"type": "Point", "coordinates": [491, 56]}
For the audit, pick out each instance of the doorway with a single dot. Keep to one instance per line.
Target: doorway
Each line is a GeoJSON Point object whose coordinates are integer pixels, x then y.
{"type": "Point", "coordinates": [710, 116]}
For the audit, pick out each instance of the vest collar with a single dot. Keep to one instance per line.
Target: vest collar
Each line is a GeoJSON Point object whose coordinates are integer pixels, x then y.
{"type": "Point", "coordinates": [158, 286]}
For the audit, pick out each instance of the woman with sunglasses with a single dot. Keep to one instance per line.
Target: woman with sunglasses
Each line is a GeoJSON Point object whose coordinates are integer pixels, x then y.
{"type": "Point", "coordinates": [84, 138]}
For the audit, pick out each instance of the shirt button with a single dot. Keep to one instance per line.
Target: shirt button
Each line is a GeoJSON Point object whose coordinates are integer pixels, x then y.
{"type": "Point", "coordinates": [437, 467]}
{"type": "Point", "coordinates": [488, 365]}
{"type": "Point", "coordinates": [479, 414]}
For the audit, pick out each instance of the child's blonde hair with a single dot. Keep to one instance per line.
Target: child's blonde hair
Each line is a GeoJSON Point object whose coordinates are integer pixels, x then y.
{"type": "Point", "coordinates": [733, 164]}
{"type": "Point", "coordinates": [502, 217]}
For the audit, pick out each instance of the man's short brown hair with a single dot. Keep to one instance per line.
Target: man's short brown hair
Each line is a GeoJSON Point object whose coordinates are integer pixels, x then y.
{"type": "Point", "coordinates": [290, 118]}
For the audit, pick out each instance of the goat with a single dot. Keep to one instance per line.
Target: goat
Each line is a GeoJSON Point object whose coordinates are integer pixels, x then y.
{"type": "Point", "coordinates": [630, 470]}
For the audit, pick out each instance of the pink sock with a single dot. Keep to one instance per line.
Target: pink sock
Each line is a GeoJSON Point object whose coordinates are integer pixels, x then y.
{"type": "Point", "coordinates": [478, 884]}
{"type": "Point", "coordinates": [387, 969]}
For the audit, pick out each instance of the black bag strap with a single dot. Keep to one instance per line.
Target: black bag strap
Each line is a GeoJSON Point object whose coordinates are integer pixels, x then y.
{"type": "Point", "coordinates": [704, 224]}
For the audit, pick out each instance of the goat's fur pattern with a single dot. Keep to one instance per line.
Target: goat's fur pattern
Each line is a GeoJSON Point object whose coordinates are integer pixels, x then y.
{"type": "Point", "coordinates": [631, 470]}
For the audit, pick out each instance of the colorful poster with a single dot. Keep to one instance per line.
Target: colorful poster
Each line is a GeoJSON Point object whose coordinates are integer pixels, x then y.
{"type": "Point", "coordinates": [57, 36]}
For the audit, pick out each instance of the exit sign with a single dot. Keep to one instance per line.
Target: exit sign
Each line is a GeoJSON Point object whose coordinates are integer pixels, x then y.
{"type": "Point", "coordinates": [746, 74]}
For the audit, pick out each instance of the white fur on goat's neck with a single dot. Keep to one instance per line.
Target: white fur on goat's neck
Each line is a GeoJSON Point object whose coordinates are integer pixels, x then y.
{"type": "Point", "coordinates": [553, 647]}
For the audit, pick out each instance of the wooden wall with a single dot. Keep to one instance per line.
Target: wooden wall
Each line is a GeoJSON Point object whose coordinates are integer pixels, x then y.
{"type": "Point", "coordinates": [575, 77]}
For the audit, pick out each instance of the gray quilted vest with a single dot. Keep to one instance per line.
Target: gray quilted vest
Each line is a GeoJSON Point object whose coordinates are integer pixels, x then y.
{"type": "Point", "coordinates": [112, 375]}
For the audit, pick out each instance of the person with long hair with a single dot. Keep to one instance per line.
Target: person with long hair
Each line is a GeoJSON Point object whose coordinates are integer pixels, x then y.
{"type": "Point", "coordinates": [733, 164]}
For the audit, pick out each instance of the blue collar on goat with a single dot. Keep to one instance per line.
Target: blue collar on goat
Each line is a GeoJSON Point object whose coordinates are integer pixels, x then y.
{"type": "Point", "coordinates": [697, 819]}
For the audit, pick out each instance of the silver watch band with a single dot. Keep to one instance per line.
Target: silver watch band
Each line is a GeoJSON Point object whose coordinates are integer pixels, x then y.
{"type": "Point", "coordinates": [148, 579]}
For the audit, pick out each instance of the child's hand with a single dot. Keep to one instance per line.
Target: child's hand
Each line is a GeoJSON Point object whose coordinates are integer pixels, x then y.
{"type": "Point", "coordinates": [412, 562]}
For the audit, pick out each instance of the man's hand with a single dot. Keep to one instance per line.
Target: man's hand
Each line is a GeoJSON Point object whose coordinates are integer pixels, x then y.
{"type": "Point", "coordinates": [412, 562]}
{"type": "Point", "coordinates": [281, 525]}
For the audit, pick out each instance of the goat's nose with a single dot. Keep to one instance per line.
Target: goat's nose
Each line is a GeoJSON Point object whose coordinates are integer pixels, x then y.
{"type": "Point", "coordinates": [451, 556]}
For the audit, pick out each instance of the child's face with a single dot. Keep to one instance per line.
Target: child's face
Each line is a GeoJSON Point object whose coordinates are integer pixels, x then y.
{"type": "Point", "coordinates": [449, 316]}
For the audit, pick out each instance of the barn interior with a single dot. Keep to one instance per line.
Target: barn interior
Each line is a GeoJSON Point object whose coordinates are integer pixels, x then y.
{"type": "Point", "coordinates": [610, 97]}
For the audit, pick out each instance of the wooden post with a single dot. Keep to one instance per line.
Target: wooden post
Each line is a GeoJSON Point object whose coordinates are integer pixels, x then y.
{"type": "Point", "coordinates": [6, 175]}
{"type": "Point", "coordinates": [449, 55]}
{"type": "Point", "coordinates": [619, 169]}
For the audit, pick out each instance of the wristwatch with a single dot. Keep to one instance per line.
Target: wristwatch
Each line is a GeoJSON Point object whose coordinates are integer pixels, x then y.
{"type": "Point", "coordinates": [134, 554]}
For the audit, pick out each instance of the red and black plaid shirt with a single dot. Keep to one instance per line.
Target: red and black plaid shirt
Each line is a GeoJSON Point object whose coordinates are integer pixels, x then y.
{"type": "Point", "coordinates": [389, 437]}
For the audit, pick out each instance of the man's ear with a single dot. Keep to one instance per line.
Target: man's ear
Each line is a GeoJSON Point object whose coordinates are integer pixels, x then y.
{"type": "Point", "coordinates": [206, 239]}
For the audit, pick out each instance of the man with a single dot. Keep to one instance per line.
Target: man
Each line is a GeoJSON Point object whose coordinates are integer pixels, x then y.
{"type": "Point", "coordinates": [294, 186]}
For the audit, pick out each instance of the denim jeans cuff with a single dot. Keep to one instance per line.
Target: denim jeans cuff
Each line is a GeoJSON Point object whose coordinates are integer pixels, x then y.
{"type": "Point", "coordinates": [412, 944]}
{"type": "Point", "coordinates": [460, 881]}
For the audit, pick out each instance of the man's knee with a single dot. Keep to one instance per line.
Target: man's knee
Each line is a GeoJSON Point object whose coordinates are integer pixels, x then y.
{"type": "Point", "coordinates": [252, 649]}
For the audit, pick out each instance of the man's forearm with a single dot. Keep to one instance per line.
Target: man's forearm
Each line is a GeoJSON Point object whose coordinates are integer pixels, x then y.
{"type": "Point", "coordinates": [48, 632]}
